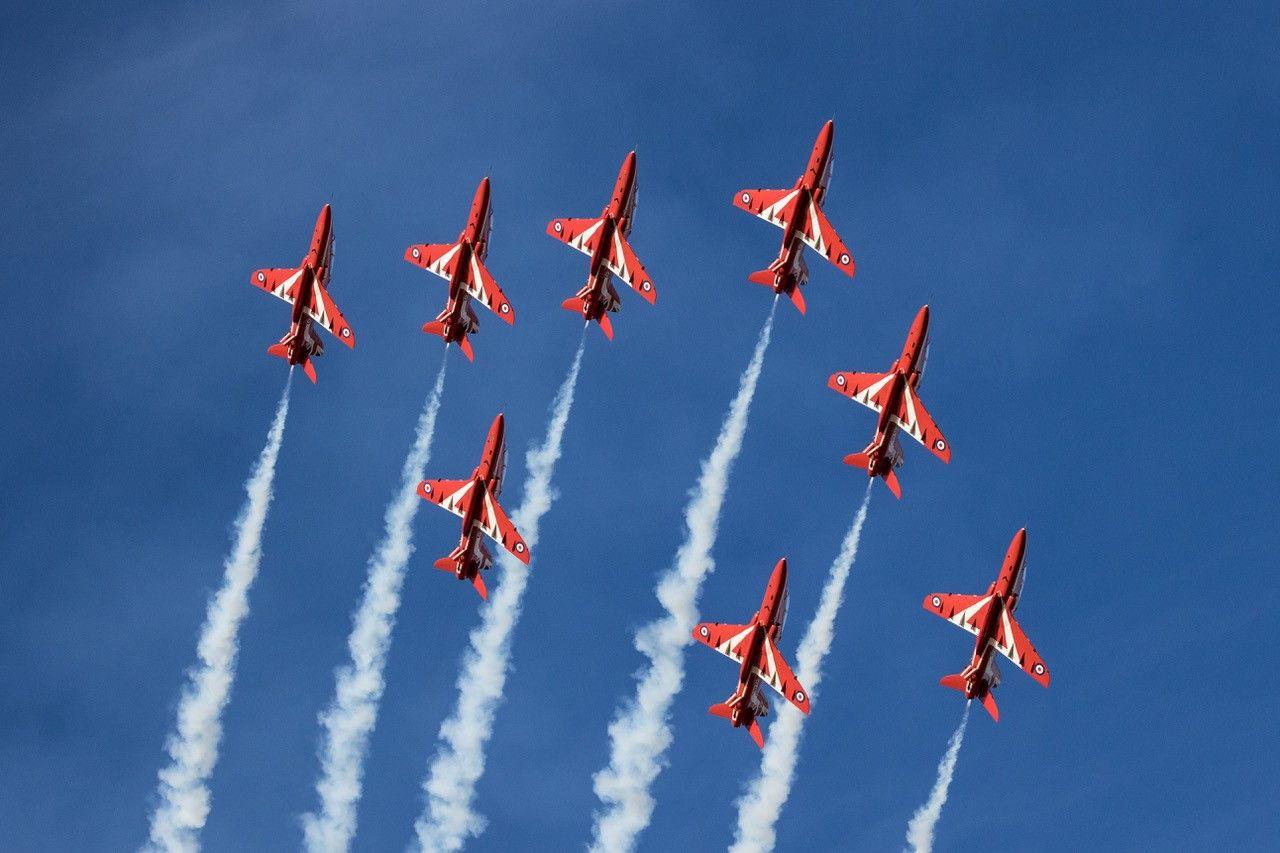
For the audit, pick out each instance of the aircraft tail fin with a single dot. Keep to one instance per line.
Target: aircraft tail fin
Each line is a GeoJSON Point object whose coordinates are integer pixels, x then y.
{"type": "Point", "coordinates": [465, 346]}
{"type": "Point", "coordinates": [756, 735]}
{"type": "Point", "coordinates": [764, 276]}
{"type": "Point", "coordinates": [309, 369]}
{"type": "Point", "coordinates": [606, 326]}
{"type": "Point", "coordinates": [989, 702]}
{"type": "Point", "coordinates": [478, 583]}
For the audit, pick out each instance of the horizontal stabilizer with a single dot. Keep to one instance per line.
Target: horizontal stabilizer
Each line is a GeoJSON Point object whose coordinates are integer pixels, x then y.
{"type": "Point", "coordinates": [606, 326]}
{"type": "Point", "coordinates": [722, 709]}
{"type": "Point", "coordinates": [478, 583]}
{"type": "Point", "coordinates": [764, 277]}
{"type": "Point", "coordinates": [309, 369]}
{"type": "Point", "coordinates": [955, 682]}
{"type": "Point", "coordinates": [756, 735]}
{"type": "Point", "coordinates": [891, 480]}
{"type": "Point", "coordinates": [989, 702]}
{"type": "Point", "coordinates": [797, 299]}
{"type": "Point", "coordinates": [465, 346]}
{"type": "Point", "coordinates": [279, 351]}
{"type": "Point", "coordinates": [857, 460]}
{"type": "Point", "coordinates": [573, 303]}
{"type": "Point", "coordinates": [445, 564]}
{"type": "Point", "coordinates": [435, 327]}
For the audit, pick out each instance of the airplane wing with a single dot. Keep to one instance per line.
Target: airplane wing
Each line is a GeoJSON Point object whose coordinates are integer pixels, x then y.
{"type": "Point", "coordinates": [725, 638]}
{"type": "Point", "coordinates": [323, 310]}
{"type": "Point", "coordinates": [918, 423]}
{"type": "Point", "coordinates": [774, 671]}
{"type": "Point", "coordinates": [770, 205]}
{"type": "Point", "coordinates": [450, 494]}
{"type": "Point", "coordinates": [1013, 644]}
{"type": "Point", "coordinates": [439, 258]}
{"type": "Point", "coordinates": [870, 389]}
{"type": "Point", "coordinates": [623, 263]}
{"type": "Point", "coordinates": [967, 611]}
{"type": "Point", "coordinates": [278, 282]}
{"type": "Point", "coordinates": [480, 284]}
{"type": "Point", "coordinates": [497, 526]}
{"type": "Point", "coordinates": [818, 234]}
{"type": "Point", "coordinates": [581, 234]}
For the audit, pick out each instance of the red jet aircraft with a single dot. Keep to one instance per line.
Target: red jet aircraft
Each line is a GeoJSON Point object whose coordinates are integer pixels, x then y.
{"type": "Point", "coordinates": [604, 240]}
{"type": "Point", "coordinates": [304, 288]}
{"type": "Point", "coordinates": [754, 647]}
{"type": "Point", "coordinates": [798, 213]}
{"type": "Point", "coordinates": [893, 395]}
{"type": "Point", "coordinates": [462, 265]}
{"type": "Point", "coordinates": [476, 501]}
{"type": "Point", "coordinates": [990, 617]}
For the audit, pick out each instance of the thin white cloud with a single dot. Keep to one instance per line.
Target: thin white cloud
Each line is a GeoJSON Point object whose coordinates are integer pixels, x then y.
{"type": "Point", "coordinates": [450, 787]}
{"type": "Point", "coordinates": [350, 718]}
{"type": "Point", "coordinates": [193, 747]}
{"type": "Point", "coordinates": [760, 806]}
{"type": "Point", "coordinates": [925, 820]}
{"type": "Point", "coordinates": [639, 733]}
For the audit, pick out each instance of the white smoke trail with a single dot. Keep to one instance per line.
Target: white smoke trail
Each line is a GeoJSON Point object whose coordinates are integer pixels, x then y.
{"type": "Point", "coordinates": [349, 720]}
{"type": "Point", "coordinates": [760, 806]}
{"type": "Point", "coordinates": [639, 732]}
{"type": "Point", "coordinates": [450, 787]}
{"type": "Point", "coordinates": [193, 746]}
{"type": "Point", "coordinates": [925, 820]}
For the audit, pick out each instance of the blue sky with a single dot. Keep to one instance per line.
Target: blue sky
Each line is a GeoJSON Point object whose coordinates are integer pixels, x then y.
{"type": "Point", "coordinates": [1085, 194]}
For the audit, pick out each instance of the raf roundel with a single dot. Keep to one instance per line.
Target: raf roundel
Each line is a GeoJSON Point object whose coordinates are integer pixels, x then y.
{"type": "Point", "coordinates": [262, 277]}
{"type": "Point", "coordinates": [704, 631]}
{"type": "Point", "coordinates": [426, 488]}
{"type": "Point", "coordinates": [799, 695]}
{"type": "Point", "coordinates": [939, 445]}
{"type": "Point", "coordinates": [417, 253]}
{"type": "Point", "coordinates": [746, 198]}
{"type": "Point", "coordinates": [346, 333]}
{"type": "Point", "coordinates": [1039, 669]}
{"type": "Point", "coordinates": [559, 226]}
{"type": "Point", "coordinates": [519, 547]}
{"type": "Point", "coordinates": [647, 286]}
{"type": "Point", "coordinates": [844, 259]}
{"type": "Point", "coordinates": [840, 379]}
{"type": "Point", "coordinates": [504, 308]}
{"type": "Point", "coordinates": [937, 602]}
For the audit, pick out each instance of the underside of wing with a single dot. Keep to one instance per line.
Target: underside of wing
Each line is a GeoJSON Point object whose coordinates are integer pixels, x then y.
{"type": "Point", "coordinates": [916, 422]}
{"type": "Point", "coordinates": [497, 526]}
{"type": "Point", "coordinates": [439, 258]}
{"type": "Point", "coordinates": [870, 389]}
{"type": "Point", "coordinates": [326, 314]}
{"type": "Point", "coordinates": [967, 611]}
{"type": "Point", "coordinates": [281, 283]}
{"type": "Point", "coordinates": [581, 234]}
{"type": "Point", "coordinates": [482, 287]}
{"type": "Point", "coordinates": [819, 235]}
{"type": "Point", "coordinates": [450, 494]}
{"type": "Point", "coordinates": [770, 205]}
{"type": "Point", "coordinates": [1013, 644]}
{"type": "Point", "coordinates": [774, 671]}
{"type": "Point", "coordinates": [623, 263]}
{"type": "Point", "coordinates": [729, 640]}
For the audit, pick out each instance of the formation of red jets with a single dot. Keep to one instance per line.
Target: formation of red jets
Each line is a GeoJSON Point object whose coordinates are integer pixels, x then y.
{"type": "Point", "coordinates": [893, 395]}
